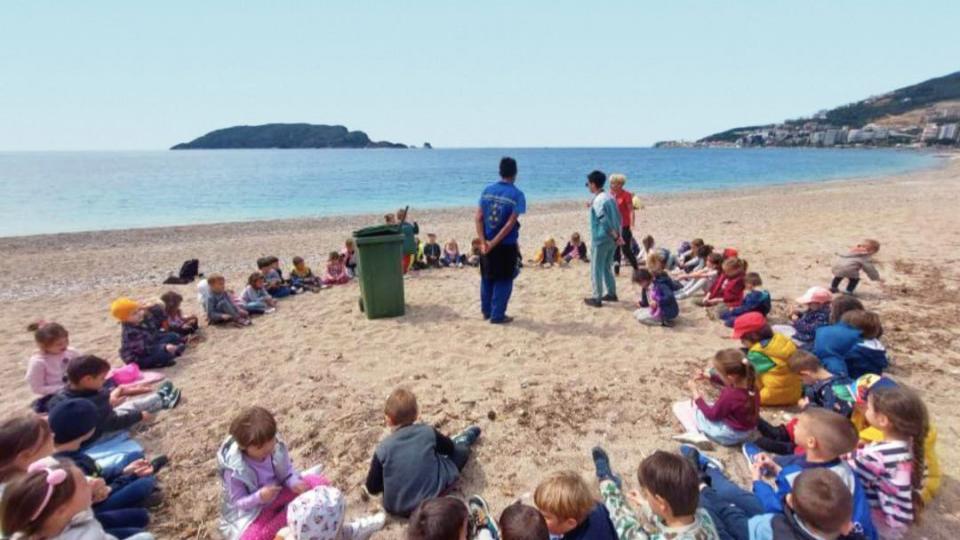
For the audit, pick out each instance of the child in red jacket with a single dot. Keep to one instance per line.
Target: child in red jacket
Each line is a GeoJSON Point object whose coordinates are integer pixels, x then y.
{"type": "Point", "coordinates": [727, 291]}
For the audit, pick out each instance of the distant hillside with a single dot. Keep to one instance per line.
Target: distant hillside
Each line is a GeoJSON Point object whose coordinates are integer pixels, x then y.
{"type": "Point", "coordinates": [910, 108]}
{"type": "Point", "coordinates": [284, 136]}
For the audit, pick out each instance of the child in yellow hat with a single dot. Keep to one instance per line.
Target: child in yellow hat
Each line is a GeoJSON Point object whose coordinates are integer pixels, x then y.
{"type": "Point", "coordinates": [142, 342]}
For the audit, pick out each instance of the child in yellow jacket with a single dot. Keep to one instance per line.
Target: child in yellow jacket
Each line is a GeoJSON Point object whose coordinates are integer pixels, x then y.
{"type": "Point", "coordinates": [768, 352]}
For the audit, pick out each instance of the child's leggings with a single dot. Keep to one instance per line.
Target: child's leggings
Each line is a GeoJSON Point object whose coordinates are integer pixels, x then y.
{"type": "Point", "coordinates": [624, 518]}
{"type": "Point", "coordinates": [274, 516]}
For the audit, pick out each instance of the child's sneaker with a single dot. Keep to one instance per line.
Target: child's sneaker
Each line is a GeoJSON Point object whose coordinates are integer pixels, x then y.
{"type": "Point", "coordinates": [480, 518]}
{"type": "Point", "coordinates": [702, 461]}
{"type": "Point", "coordinates": [602, 462]}
{"type": "Point", "coordinates": [165, 388]}
{"type": "Point", "coordinates": [750, 451]}
{"type": "Point", "coordinates": [468, 436]}
{"type": "Point", "coordinates": [696, 439]}
{"type": "Point", "coordinates": [363, 528]}
{"type": "Point", "coordinates": [172, 399]}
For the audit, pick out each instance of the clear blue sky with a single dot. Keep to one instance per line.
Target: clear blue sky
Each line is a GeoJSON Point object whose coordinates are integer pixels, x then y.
{"type": "Point", "coordinates": [146, 75]}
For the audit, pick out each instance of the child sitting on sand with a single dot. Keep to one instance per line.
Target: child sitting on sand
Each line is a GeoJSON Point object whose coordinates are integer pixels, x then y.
{"type": "Point", "coordinates": [349, 255]}
{"type": "Point", "coordinates": [23, 439]}
{"type": "Point", "coordinates": [549, 254]}
{"type": "Point", "coordinates": [697, 259]}
{"type": "Point", "coordinates": [441, 518]}
{"type": "Point", "coordinates": [667, 505]}
{"type": "Point", "coordinates": [302, 276]}
{"type": "Point", "coordinates": [451, 255]}
{"type": "Point", "coordinates": [336, 272]}
{"type": "Point", "coordinates": [768, 352]}
{"type": "Point", "coordinates": [727, 291]}
{"type": "Point", "coordinates": [891, 470]}
{"type": "Point", "coordinates": [415, 462]}
{"type": "Point", "coordinates": [52, 500]}
{"type": "Point", "coordinates": [220, 306]}
{"type": "Point", "coordinates": [175, 320]}
{"type": "Point", "coordinates": [128, 486]}
{"type": "Point", "coordinates": [848, 266]}
{"type": "Point", "coordinates": [320, 514]}
{"type": "Point", "coordinates": [733, 417]}
{"type": "Point", "coordinates": [757, 299]}
{"type": "Point", "coordinates": [657, 305]}
{"type": "Point", "coordinates": [255, 297]}
{"type": "Point", "coordinates": [700, 281]}
{"type": "Point", "coordinates": [575, 249]}
{"type": "Point", "coordinates": [47, 367]}
{"type": "Point", "coordinates": [258, 478]}
{"type": "Point", "coordinates": [432, 252]}
{"type": "Point", "coordinates": [868, 355]}
{"type": "Point", "coordinates": [814, 313]}
{"type": "Point", "coordinates": [86, 379]}
{"type": "Point", "coordinates": [570, 510]}
{"type": "Point", "coordinates": [476, 251]}
{"type": "Point", "coordinates": [820, 389]}
{"type": "Point", "coordinates": [143, 345]}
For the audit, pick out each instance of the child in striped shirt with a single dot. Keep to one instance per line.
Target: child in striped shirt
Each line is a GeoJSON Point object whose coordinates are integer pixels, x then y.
{"type": "Point", "coordinates": [892, 470]}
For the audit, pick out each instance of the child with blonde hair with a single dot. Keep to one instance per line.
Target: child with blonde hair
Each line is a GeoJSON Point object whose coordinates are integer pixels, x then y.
{"type": "Point", "coordinates": [349, 256]}
{"type": "Point", "coordinates": [48, 365]}
{"type": "Point", "coordinates": [849, 265]}
{"type": "Point", "coordinates": [549, 254]}
{"type": "Point", "coordinates": [576, 249]}
{"type": "Point", "coordinates": [570, 509]}
{"type": "Point", "coordinates": [451, 255]}
{"type": "Point", "coordinates": [302, 276]}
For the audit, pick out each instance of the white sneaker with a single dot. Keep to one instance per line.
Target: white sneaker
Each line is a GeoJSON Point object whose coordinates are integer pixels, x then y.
{"type": "Point", "coordinates": [270, 310]}
{"type": "Point", "coordinates": [696, 439]}
{"type": "Point", "coordinates": [363, 528]}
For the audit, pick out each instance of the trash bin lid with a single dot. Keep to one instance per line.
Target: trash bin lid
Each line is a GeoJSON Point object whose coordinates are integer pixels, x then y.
{"type": "Point", "coordinates": [377, 230]}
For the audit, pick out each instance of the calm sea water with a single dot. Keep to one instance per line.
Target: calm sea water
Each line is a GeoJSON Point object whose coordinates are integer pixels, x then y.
{"type": "Point", "coordinates": [49, 192]}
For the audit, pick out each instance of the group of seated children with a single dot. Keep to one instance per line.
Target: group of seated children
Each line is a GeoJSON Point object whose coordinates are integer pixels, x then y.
{"type": "Point", "coordinates": [77, 473]}
{"type": "Point", "coordinates": [550, 255]}
{"type": "Point", "coordinates": [432, 255]}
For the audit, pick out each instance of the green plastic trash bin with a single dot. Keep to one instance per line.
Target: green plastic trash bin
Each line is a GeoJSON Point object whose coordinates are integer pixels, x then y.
{"type": "Point", "coordinates": [379, 260]}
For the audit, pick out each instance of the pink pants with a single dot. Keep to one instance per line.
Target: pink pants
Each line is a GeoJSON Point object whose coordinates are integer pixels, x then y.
{"type": "Point", "coordinates": [274, 516]}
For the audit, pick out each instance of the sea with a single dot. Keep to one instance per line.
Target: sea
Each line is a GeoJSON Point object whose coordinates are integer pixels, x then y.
{"type": "Point", "coordinates": [56, 192]}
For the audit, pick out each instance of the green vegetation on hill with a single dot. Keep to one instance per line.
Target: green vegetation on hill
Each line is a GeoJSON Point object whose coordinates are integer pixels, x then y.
{"type": "Point", "coordinates": [284, 136]}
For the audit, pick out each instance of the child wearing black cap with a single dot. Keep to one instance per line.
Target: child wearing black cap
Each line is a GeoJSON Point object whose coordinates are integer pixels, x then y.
{"type": "Point", "coordinates": [123, 490]}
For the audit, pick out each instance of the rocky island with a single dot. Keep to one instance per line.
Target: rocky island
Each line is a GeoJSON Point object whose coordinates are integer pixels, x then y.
{"type": "Point", "coordinates": [284, 136]}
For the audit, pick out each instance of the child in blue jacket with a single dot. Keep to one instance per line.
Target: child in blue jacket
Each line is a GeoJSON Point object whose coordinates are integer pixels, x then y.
{"type": "Point", "coordinates": [868, 355]}
{"type": "Point", "coordinates": [755, 299]}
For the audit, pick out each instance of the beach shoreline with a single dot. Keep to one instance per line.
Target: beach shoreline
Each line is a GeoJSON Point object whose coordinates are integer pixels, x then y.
{"type": "Point", "coordinates": [562, 378]}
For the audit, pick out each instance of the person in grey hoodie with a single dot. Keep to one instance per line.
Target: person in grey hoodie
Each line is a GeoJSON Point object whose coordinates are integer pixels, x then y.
{"type": "Point", "coordinates": [848, 266]}
{"type": "Point", "coordinates": [416, 462]}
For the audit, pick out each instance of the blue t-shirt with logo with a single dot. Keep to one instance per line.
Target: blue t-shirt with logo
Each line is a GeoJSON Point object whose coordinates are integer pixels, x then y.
{"type": "Point", "coordinates": [497, 203]}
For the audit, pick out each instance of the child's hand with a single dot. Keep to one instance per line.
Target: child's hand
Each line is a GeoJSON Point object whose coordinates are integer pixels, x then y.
{"type": "Point", "coordinates": [171, 348]}
{"type": "Point", "coordinates": [768, 463]}
{"type": "Point", "coordinates": [692, 386]}
{"type": "Point", "coordinates": [636, 498]}
{"type": "Point", "coordinates": [140, 467]}
{"type": "Point", "coordinates": [269, 493]}
{"type": "Point", "coordinates": [300, 487]}
{"type": "Point", "coordinates": [756, 471]}
{"type": "Point", "coordinates": [116, 396]}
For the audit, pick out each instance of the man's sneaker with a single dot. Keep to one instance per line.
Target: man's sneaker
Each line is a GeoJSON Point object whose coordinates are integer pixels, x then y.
{"type": "Point", "coordinates": [610, 298]}
{"type": "Point", "coordinates": [172, 399]}
{"type": "Point", "coordinates": [593, 302]}
{"type": "Point", "coordinates": [602, 462]}
{"type": "Point", "coordinates": [363, 528]}
{"type": "Point", "coordinates": [750, 451]}
{"type": "Point", "coordinates": [702, 461]}
{"type": "Point", "coordinates": [468, 436]}
{"type": "Point", "coordinates": [481, 518]}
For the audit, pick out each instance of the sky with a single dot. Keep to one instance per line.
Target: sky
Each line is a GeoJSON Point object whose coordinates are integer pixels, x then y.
{"type": "Point", "coordinates": [119, 75]}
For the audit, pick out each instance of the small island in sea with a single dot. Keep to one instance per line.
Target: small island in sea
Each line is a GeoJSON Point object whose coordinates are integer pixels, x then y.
{"type": "Point", "coordinates": [284, 136]}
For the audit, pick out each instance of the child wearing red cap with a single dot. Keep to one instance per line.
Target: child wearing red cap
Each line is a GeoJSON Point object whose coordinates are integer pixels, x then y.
{"type": "Point", "coordinates": [768, 351]}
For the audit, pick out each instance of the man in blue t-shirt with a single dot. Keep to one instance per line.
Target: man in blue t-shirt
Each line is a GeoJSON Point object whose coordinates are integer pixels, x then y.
{"type": "Point", "coordinates": [500, 207]}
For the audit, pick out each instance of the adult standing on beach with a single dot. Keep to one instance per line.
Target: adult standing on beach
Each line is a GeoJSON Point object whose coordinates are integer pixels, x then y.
{"type": "Point", "coordinates": [497, 225]}
{"type": "Point", "coordinates": [605, 232]}
{"type": "Point", "coordinates": [624, 200]}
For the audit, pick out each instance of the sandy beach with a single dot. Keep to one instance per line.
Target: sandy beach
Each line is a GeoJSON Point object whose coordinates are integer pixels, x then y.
{"type": "Point", "coordinates": [563, 378]}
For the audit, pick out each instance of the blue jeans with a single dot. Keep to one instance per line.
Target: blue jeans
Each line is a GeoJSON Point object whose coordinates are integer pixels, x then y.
{"type": "Point", "coordinates": [130, 494]}
{"type": "Point", "coordinates": [494, 297]}
{"type": "Point", "coordinates": [123, 523]}
{"type": "Point", "coordinates": [281, 292]}
{"type": "Point", "coordinates": [601, 269]}
{"type": "Point", "coordinates": [730, 506]}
